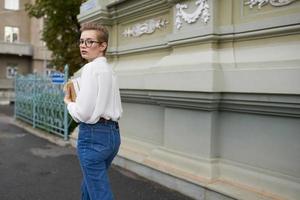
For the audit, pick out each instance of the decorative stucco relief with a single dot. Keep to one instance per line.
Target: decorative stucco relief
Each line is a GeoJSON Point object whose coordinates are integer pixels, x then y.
{"type": "Point", "coordinates": [147, 27]}
{"type": "Point", "coordinates": [261, 3]}
{"type": "Point", "coordinates": [202, 11]}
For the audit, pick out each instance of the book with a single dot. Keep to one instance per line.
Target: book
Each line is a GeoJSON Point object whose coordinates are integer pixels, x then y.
{"type": "Point", "coordinates": [73, 87]}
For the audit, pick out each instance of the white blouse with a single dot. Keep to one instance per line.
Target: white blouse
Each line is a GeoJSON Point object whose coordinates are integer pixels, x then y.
{"type": "Point", "coordinates": [99, 94]}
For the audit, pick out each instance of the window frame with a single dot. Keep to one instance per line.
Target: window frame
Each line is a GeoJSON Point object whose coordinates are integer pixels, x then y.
{"type": "Point", "coordinates": [12, 4]}
{"type": "Point", "coordinates": [11, 71]}
{"type": "Point", "coordinates": [12, 32]}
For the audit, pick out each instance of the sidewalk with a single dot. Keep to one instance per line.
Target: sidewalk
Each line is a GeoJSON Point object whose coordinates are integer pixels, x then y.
{"type": "Point", "coordinates": [32, 168]}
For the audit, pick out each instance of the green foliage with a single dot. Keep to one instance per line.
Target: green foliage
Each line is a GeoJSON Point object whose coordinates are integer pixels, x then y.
{"type": "Point", "coordinates": [61, 30]}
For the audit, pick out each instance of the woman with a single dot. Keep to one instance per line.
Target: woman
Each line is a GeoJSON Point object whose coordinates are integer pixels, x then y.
{"type": "Point", "coordinates": [97, 108]}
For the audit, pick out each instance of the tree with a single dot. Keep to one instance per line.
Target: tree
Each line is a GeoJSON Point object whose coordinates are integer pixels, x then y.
{"type": "Point", "coordinates": [61, 30]}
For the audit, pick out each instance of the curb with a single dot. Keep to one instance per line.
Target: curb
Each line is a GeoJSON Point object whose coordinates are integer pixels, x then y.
{"type": "Point", "coordinates": [41, 133]}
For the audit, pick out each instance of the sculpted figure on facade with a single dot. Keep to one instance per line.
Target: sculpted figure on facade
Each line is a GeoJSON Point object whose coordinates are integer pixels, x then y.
{"type": "Point", "coordinates": [202, 11]}
{"type": "Point", "coordinates": [146, 27]}
{"type": "Point", "coordinates": [261, 3]}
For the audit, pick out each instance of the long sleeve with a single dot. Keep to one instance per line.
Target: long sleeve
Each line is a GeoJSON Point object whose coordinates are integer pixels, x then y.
{"type": "Point", "coordinates": [82, 109]}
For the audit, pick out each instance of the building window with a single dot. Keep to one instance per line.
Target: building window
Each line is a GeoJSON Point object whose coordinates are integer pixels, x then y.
{"type": "Point", "coordinates": [11, 4]}
{"type": "Point", "coordinates": [11, 71]}
{"type": "Point", "coordinates": [11, 34]}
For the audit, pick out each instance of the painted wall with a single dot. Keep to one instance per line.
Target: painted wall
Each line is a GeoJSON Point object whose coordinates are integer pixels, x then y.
{"type": "Point", "coordinates": [214, 103]}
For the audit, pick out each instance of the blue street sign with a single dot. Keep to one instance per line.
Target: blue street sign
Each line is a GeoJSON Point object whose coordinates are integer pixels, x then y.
{"type": "Point", "coordinates": [57, 78]}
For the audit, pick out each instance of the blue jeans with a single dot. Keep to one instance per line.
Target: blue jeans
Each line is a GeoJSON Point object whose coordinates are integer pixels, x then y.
{"type": "Point", "coordinates": [97, 146]}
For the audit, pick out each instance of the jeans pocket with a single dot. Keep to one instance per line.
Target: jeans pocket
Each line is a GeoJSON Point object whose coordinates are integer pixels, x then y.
{"type": "Point", "coordinates": [102, 140]}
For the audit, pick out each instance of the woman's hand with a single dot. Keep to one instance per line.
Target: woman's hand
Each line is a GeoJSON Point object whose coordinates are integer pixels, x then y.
{"type": "Point", "coordinates": [67, 98]}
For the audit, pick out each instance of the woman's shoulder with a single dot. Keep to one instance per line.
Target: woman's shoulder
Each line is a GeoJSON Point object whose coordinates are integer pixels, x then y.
{"type": "Point", "coordinates": [97, 65]}
{"type": "Point", "coordinates": [87, 67]}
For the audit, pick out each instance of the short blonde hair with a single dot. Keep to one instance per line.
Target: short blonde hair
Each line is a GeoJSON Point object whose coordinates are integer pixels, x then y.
{"type": "Point", "coordinates": [101, 30]}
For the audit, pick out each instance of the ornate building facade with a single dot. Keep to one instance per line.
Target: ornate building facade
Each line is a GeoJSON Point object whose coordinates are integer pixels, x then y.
{"type": "Point", "coordinates": [211, 93]}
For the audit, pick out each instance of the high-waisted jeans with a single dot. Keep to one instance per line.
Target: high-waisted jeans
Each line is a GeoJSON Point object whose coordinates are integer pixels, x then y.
{"type": "Point", "coordinates": [97, 146]}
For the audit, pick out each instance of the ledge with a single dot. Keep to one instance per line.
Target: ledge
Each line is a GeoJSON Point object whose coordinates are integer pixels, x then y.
{"type": "Point", "coordinates": [7, 84]}
{"type": "Point", "coordinates": [268, 104]}
{"type": "Point", "coordinates": [21, 49]}
{"type": "Point", "coordinates": [154, 162]}
{"type": "Point", "coordinates": [287, 105]}
{"type": "Point", "coordinates": [107, 13]}
{"type": "Point", "coordinates": [141, 8]}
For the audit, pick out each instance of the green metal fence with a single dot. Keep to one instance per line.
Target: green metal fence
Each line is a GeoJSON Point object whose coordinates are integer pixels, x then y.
{"type": "Point", "coordinates": [39, 101]}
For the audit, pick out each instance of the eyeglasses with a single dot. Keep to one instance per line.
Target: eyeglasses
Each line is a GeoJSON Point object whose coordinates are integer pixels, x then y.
{"type": "Point", "coordinates": [88, 43]}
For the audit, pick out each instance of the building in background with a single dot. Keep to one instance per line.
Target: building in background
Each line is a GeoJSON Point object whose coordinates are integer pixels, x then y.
{"type": "Point", "coordinates": [21, 48]}
{"type": "Point", "coordinates": [210, 91]}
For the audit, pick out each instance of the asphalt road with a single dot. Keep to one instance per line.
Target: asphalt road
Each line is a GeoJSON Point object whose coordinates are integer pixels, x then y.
{"type": "Point", "coordinates": [31, 168]}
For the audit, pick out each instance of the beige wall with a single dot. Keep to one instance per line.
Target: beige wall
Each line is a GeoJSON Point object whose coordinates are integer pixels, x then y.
{"type": "Point", "coordinates": [17, 19]}
{"type": "Point", "coordinates": [38, 66]}
{"type": "Point", "coordinates": [41, 55]}
{"type": "Point", "coordinates": [29, 34]}
{"type": "Point", "coordinates": [23, 63]}
{"type": "Point", "coordinates": [217, 102]}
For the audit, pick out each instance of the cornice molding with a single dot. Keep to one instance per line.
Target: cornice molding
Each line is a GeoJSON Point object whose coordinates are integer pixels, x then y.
{"type": "Point", "coordinates": [221, 36]}
{"type": "Point", "coordinates": [138, 9]}
{"type": "Point", "coordinates": [125, 12]}
{"type": "Point", "coordinates": [287, 105]}
{"type": "Point", "coordinates": [117, 14]}
{"type": "Point", "coordinates": [96, 15]}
